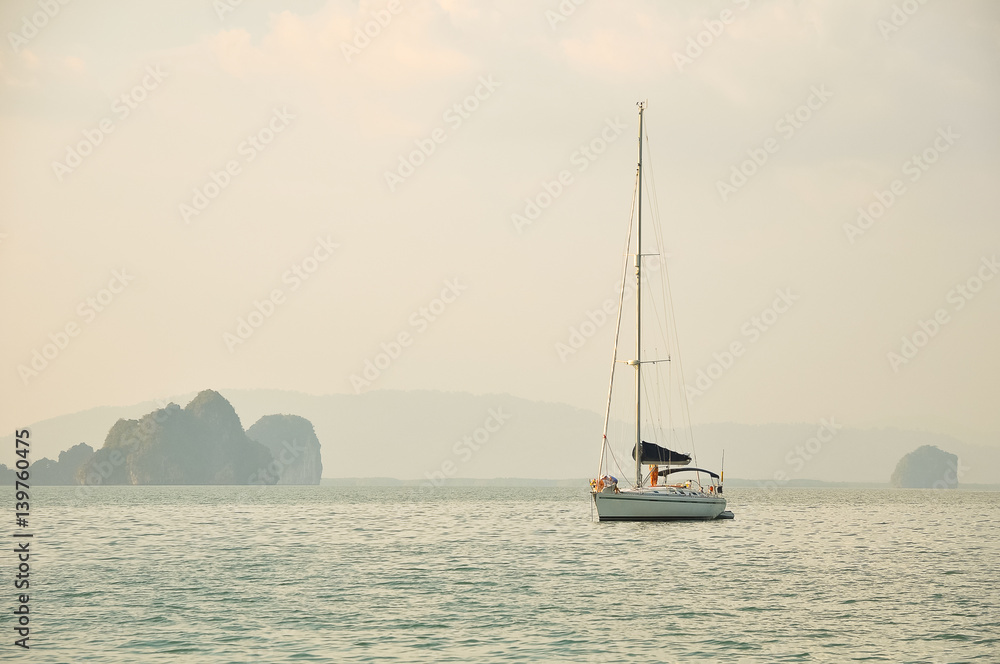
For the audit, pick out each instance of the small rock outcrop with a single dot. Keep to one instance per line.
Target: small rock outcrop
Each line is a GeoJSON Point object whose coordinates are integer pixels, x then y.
{"type": "Point", "coordinates": [294, 446]}
{"type": "Point", "coordinates": [63, 470]}
{"type": "Point", "coordinates": [46, 472]}
{"type": "Point", "coordinates": [926, 467]}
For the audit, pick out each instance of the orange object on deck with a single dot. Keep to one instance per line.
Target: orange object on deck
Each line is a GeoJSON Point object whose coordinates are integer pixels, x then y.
{"type": "Point", "coordinates": [654, 474]}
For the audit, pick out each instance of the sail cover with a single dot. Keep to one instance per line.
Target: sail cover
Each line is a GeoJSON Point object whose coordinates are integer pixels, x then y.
{"type": "Point", "coordinates": [653, 453]}
{"type": "Point", "coordinates": [671, 471]}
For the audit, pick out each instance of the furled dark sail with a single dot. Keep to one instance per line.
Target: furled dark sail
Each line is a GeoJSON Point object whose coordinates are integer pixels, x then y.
{"type": "Point", "coordinates": [653, 453]}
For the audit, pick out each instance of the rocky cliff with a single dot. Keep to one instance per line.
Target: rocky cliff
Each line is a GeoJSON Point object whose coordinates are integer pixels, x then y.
{"type": "Point", "coordinates": [202, 443]}
{"type": "Point", "coordinates": [294, 446]}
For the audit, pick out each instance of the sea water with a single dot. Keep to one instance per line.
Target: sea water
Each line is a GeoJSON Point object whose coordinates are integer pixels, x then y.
{"type": "Point", "coordinates": [329, 574]}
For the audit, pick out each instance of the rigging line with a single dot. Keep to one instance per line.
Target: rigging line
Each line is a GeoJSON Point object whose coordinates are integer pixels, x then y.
{"type": "Point", "coordinates": [652, 422]}
{"type": "Point", "coordinates": [661, 387]}
{"type": "Point", "coordinates": [665, 278]}
{"type": "Point", "coordinates": [620, 435]}
{"type": "Point", "coordinates": [618, 326]}
{"type": "Point", "coordinates": [624, 411]}
{"type": "Point", "coordinates": [654, 201]}
{"type": "Point", "coordinates": [658, 228]}
{"type": "Point", "coordinates": [659, 390]}
{"type": "Point", "coordinates": [663, 398]}
{"type": "Point", "coordinates": [611, 451]}
{"type": "Point", "coordinates": [670, 408]}
{"type": "Point", "coordinates": [659, 311]}
{"type": "Point", "coordinates": [657, 384]}
{"type": "Point", "coordinates": [685, 404]}
{"type": "Point", "coordinates": [660, 308]}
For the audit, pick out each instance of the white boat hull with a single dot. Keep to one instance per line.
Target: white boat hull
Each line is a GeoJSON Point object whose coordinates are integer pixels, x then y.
{"type": "Point", "coordinates": [651, 504]}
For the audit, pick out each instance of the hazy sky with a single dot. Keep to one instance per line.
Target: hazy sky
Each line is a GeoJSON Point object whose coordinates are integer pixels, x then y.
{"type": "Point", "coordinates": [186, 164]}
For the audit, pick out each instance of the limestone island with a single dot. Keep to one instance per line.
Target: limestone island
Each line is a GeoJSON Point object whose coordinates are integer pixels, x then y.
{"type": "Point", "coordinates": [202, 443]}
{"type": "Point", "coordinates": [926, 467]}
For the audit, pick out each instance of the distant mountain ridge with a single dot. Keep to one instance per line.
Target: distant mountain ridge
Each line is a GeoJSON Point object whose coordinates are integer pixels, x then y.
{"type": "Point", "coordinates": [417, 435]}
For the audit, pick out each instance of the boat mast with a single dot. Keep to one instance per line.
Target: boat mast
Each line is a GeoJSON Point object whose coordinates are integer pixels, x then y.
{"type": "Point", "coordinates": [638, 315]}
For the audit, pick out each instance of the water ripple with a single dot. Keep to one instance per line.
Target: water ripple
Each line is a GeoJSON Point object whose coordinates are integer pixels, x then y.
{"type": "Point", "coordinates": [325, 574]}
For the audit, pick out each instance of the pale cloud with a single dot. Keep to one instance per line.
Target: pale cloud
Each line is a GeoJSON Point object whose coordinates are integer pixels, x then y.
{"type": "Point", "coordinates": [28, 69]}
{"type": "Point", "coordinates": [74, 63]}
{"type": "Point", "coordinates": [608, 51]}
{"type": "Point", "coordinates": [235, 53]}
{"type": "Point", "coordinates": [21, 70]}
{"type": "Point", "coordinates": [30, 60]}
{"type": "Point", "coordinates": [405, 53]}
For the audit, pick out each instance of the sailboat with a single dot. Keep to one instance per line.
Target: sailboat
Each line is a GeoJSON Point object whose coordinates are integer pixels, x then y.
{"type": "Point", "coordinates": [647, 498]}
